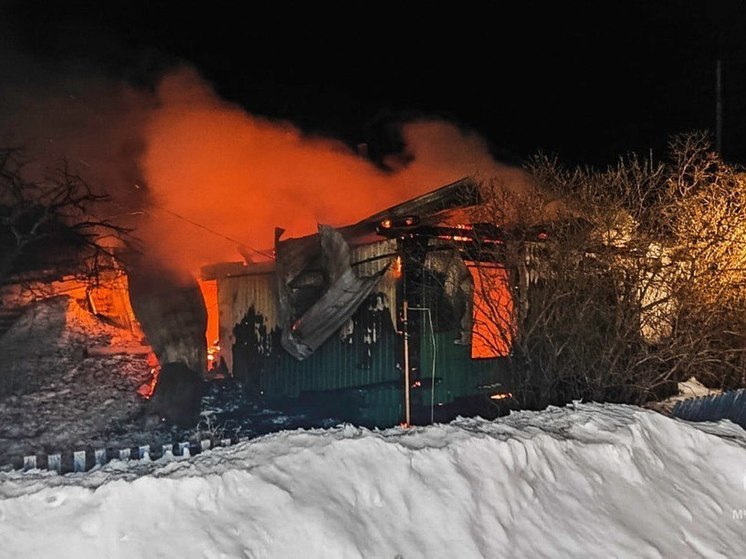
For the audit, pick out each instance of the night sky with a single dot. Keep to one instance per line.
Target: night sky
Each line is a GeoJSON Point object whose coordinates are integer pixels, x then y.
{"type": "Point", "coordinates": [588, 81]}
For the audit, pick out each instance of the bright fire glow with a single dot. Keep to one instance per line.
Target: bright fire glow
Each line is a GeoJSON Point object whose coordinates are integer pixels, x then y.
{"type": "Point", "coordinates": [397, 268]}
{"type": "Point", "coordinates": [492, 331]}
{"type": "Point", "coordinates": [146, 390]}
{"type": "Point", "coordinates": [209, 290]}
{"type": "Point", "coordinates": [218, 177]}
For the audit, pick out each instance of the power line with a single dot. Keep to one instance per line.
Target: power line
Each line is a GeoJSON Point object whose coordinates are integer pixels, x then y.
{"type": "Point", "coordinates": [266, 254]}
{"type": "Point", "coordinates": [241, 245]}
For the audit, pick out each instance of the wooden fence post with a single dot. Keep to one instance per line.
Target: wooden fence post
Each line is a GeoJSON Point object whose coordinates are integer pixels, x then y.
{"type": "Point", "coordinates": [79, 461]}
{"type": "Point", "coordinates": [54, 462]}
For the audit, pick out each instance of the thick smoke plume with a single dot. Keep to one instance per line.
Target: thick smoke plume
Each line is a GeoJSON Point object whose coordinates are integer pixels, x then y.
{"type": "Point", "coordinates": [202, 180]}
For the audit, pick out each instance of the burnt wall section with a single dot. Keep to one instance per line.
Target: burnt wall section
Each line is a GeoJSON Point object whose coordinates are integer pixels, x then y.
{"type": "Point", "coordinates": [448, 290]}
{"type": "Point", "coordinates": [172, 314]}
{"type": "Point", "coordinates": [362, 353]}
{"type": "Point", "coordinates": [242, 300]}
{"type": "Point", "coordinates": [358, 371]}
{"type": "Point", "coordinates": [251, 351]}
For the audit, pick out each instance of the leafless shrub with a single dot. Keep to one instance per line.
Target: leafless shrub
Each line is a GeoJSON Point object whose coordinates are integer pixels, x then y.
{"type": "Point", "coordinates": [632, 280]}
{"type": "Point", "coordinates": [52, 224]}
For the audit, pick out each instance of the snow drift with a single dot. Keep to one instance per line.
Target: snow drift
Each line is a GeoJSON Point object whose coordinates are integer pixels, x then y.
{"type": "Point", "coordinates": [584, 480]}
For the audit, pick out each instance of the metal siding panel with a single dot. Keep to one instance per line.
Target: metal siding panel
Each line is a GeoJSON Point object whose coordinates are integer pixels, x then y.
{"type": "Point", "coordinates": [336, 364]}
{"type": "Point", "coordinates": [236, 296]}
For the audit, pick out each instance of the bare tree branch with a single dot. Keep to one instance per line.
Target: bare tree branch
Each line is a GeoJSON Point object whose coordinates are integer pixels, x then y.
{"type": "Point", "coordinates": [52, 223]}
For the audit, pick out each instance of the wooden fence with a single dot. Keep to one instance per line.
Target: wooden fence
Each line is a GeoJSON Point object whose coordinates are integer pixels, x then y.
{"type": "Point", "coordinates": [85, 460]}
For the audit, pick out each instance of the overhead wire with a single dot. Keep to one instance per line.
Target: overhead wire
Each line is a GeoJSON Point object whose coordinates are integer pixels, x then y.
{"type": "Point", "coordinates": [239, 244]}
{"type": "Point", "coordinates": [266, 254]}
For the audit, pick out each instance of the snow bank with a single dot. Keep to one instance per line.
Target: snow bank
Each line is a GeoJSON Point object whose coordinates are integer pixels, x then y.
{"type": "Point", "coordinates": [587, 480]}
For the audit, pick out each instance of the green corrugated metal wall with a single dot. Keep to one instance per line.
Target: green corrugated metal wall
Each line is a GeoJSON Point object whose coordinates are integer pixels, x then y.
{"type": "Point", "coordinates": [342, 362]}
{"type": "Point", "coordinates": [362, 366]}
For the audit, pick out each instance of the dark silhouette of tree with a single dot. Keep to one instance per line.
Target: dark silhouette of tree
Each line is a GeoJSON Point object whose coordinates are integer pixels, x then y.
{"type": "Point", "coordinates": [49, 227]}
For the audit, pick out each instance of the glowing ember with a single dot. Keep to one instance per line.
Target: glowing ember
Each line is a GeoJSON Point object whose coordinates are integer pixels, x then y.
{"type": "Point", "coordinates": [213, 357]}
{"type": "Point", "coordinates": [397, 269]}
{"type": "Point", "coordinates": [146, 390]}
{"type": "Point", "coordinates": [501, 396]}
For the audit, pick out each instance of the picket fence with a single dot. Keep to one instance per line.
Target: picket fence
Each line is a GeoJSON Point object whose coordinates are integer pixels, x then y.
{"type": "Point", "coordinates": [84, 460]}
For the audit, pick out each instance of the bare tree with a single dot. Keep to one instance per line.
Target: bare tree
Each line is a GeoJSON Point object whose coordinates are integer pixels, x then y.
{"type": "Point", "coordinates": [637, 282]}
{"type": "Point", "coordinates": [701, 212]}
{"type": "Point", "coordinates": [52, 224]}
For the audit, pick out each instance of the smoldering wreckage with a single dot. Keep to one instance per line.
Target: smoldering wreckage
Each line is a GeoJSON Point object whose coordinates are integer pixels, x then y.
{"type": "Point", "coordinates": [386, 321]}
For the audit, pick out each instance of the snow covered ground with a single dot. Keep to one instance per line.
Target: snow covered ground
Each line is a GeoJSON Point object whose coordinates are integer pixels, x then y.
{"type": "Point", "coordinates": [78, 380]}
{"type": "Point", "coordinates": [588, 480]}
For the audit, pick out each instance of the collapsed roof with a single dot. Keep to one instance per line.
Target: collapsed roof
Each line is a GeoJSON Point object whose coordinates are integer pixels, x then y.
{"type": "Point", "coordinates": [341, 289]}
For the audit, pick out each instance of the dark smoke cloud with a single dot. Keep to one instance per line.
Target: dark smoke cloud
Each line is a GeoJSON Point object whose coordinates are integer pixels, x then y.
{"type": "Point", "coordinates": [63, 111]}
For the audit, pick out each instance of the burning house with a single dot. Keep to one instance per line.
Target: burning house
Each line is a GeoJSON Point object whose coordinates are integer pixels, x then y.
{"type": "Point", "coordinates": [376, 322]}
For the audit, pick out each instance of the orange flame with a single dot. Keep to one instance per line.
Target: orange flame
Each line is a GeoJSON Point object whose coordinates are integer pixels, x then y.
{"type": "Point", "coordinates": [147, 389]}
{"type": "Point", "coordinates": [493, 310]}
{"type": "Point", "coordinates": [396, 270]}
